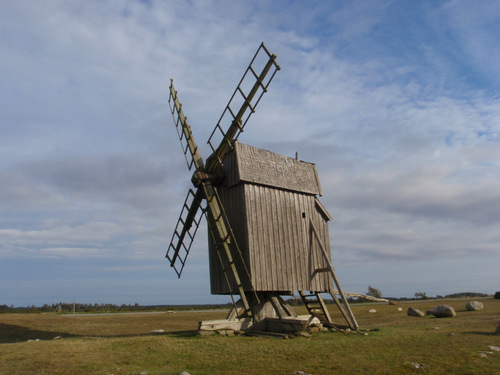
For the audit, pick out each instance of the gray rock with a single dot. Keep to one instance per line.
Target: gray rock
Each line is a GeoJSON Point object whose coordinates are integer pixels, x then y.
{"type": "Point", "coordinates": [474, 306]}
{"type": "Point", "coordinates": [183, 373]}
{"type": "Point", "coordinates": [443, 311]}
{"type": "Point", "coordinates": [418, 366]}
{"type": "Point", "coordinates": [157, 331]}
{"type": "Point", "coordinates": [415, 312]}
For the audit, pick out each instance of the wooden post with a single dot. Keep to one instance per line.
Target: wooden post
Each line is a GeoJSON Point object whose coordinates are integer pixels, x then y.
{"type": "Point", "coordinates": [349, 316]}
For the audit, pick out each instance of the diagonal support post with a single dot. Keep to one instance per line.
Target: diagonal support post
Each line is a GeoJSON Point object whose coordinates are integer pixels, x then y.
{"type": "Point", "coordinates": [226, 240]}
{"type": "Point", "coordinates": [347, 312]}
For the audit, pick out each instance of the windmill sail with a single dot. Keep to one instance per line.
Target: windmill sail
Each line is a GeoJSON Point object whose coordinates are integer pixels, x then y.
{"type": "Point", "coordinates": [189, 146]}
{"type": "Point", "coordinates": [185, 231]}
{"type": "Point", "coordinates": [242, 104]}
{"type": "Point", "coordinates": [246, 97]}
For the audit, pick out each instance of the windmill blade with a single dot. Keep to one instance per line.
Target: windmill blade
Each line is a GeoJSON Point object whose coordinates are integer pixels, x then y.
{"type": "Point", "coordinates": [189, 146]}
{"type": "Point", "coordinates": [187, 225]}
{"type": "Point", "coordinates": [246, 97]}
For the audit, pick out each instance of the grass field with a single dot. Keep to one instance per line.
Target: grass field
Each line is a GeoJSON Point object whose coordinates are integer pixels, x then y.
{"type": "Point", "coordinates": [123, 344]}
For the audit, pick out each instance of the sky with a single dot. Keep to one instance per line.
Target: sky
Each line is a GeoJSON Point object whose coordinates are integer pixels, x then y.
{"type": "Point", "coordinates": [396, 102]}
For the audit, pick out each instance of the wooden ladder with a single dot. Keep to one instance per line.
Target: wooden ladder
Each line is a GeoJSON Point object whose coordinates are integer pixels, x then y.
{"type": "Point", "coordinates": [316, 306]}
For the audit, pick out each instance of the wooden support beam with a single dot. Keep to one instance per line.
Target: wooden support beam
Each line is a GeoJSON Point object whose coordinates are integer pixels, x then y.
{"type": "Point", "coordinates": [224, 324]}
{"type": "Point", "coordinates": [348, 315]}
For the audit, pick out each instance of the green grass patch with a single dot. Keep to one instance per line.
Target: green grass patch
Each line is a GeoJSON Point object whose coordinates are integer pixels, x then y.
{"type": "Point", "coordinates": [123, 344]}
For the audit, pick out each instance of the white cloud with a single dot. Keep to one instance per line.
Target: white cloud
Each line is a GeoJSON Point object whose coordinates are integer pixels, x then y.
{"type": "Point", "coordinates": [86, 233]}
{"type": "Point", "coordinates": [395, 103]}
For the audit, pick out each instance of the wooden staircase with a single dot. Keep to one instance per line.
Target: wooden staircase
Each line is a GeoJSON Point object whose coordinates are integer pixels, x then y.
{"type": "Point", "coordinates": [316, 306]}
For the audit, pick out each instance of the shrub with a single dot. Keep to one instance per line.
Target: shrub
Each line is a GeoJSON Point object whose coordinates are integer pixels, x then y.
{"type": "Point", "coordinates": [374, 292]}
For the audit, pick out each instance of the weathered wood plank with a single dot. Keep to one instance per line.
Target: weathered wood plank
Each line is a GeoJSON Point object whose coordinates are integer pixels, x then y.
{"type": "Point", "coordinates": [286, 325]}
{"type": "Point", "coordinates": [223, 324]}
{"type": "Point", "coordinates": [264, 167]}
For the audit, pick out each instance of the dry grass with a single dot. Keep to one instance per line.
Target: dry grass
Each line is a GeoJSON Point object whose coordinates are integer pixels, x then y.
{"type": "Point", "coordinates": [122, 344]}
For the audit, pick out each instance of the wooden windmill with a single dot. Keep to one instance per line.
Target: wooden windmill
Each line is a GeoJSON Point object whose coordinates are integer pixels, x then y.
{"type": "Point", "coordinates": [268, 232]}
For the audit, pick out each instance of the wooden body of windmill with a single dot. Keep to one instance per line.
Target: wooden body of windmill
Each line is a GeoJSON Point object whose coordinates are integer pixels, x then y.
{"type": "Point", "coordinates": [268, 232]}
{"type": "Point", "coordinates": [270, 202]}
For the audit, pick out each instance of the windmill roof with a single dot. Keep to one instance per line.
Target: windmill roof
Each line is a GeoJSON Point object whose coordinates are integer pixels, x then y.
{"type": "Point", "coordinates": [258, 166]}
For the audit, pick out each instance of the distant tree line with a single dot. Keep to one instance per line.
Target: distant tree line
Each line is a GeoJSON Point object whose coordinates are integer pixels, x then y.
{"type": "Point", "coordinates": [65, 307]}
{"type": "Point", "coordinates": [465, 294]}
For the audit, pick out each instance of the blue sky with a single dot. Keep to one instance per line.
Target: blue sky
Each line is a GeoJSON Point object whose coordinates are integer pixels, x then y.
{"type": "Point", "coordinates": [396, 102]}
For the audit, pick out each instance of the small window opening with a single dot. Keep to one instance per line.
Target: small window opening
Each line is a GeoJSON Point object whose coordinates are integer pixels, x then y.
{"type": "Point", "coordinates": [303, 215]}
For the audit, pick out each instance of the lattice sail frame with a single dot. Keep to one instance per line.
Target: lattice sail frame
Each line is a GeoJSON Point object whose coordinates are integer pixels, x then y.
{"type": "Point", "coordinates": [187, 224]}
{"type": "Point", "coordinates": [246, 97]}
{"type": "Point", "coordinates": [249, 92]}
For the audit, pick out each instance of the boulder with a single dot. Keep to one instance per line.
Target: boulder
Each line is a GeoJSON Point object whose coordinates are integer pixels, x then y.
{"type": "Point", "coordinates": [157, 331]}
{"type": "Point", "coordinates": [474, 306]}
{"type": "Point", "coordinates": [372, 311]}
{"type": "Point", "coordinates": [443, 311]}
{"type": "Point", "coordinates": [415, 312]}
